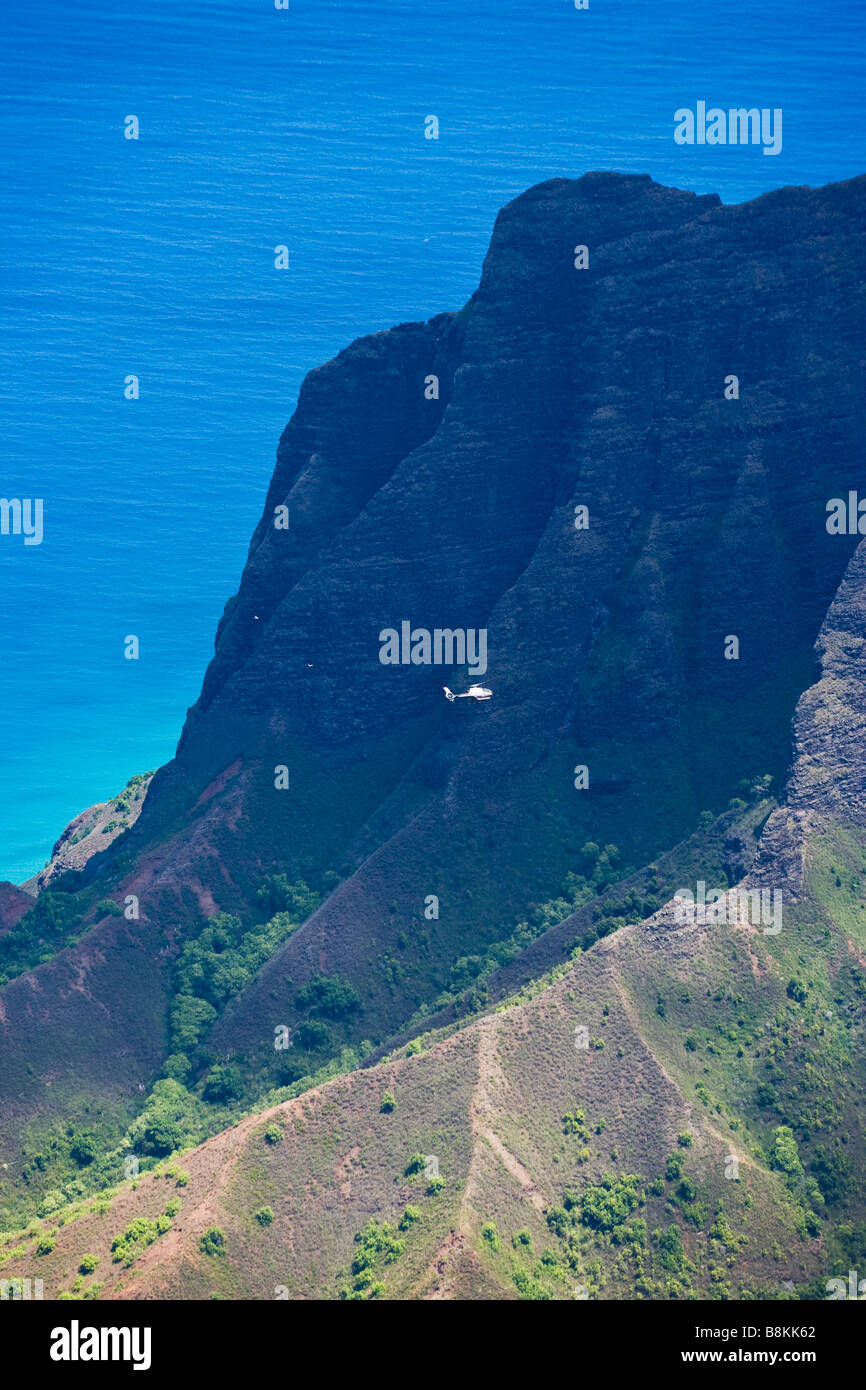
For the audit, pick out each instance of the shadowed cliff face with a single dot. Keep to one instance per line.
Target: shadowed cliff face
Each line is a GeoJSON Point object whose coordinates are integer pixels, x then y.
{"type": "Point", "coordinates": [559, 388]}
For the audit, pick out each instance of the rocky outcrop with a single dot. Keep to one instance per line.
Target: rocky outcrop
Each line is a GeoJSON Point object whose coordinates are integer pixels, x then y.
{"type": "Point", "coordinates": [91, 832]}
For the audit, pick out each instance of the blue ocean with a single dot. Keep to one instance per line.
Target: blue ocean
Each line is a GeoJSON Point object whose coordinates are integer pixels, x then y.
{"type": "Point", "coordinates": [154, 257]}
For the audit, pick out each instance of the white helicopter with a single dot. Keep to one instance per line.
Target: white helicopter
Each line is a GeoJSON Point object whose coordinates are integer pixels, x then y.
{"type": "Point", "coordinates": [475, 692]}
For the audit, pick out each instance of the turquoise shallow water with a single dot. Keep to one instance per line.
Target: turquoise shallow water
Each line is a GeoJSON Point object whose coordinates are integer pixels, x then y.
{"type": "Point", "coordinates": [155, 257]}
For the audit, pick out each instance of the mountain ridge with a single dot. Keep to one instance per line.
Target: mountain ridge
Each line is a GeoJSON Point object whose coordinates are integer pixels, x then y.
{"type": "Point", "coordinates": [558, 388]}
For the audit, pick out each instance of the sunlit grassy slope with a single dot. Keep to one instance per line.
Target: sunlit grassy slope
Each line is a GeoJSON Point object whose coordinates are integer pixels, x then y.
{"type": "Point", "coordinates": [702, 1138]}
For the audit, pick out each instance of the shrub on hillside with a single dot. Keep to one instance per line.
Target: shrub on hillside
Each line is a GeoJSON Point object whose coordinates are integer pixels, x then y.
{"type": "Point", "coordinates": [160, 1136]}
{"type": "Point", "coordinates": [784, 1155]}
{"type": "Point", "coordinates": [330, 996]}
{"type": "Point", "coordinates": [312, 1036]}
{"type": "Point", "coordinates": [490, 1235]}
{"type": "Point", "coordinates": [190, 1018]}
{"type": "Point", "coordinates": [107, 907]}
{"type": "Point", "coordinates": [277, 894]}
{"type": "Point", "coordinates": [610, 1202]}
{"type": "Point", "coordinates": [222, 1085]}
{"type": "Point", "coordinates": [213, 1242]}
{"type": "Point", "coordinates": [84, 1149]}
{"type": "Point", "coordinates": [176, 1067]}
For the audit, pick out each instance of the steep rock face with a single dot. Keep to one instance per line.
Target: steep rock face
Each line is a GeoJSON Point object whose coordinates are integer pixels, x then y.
{"type": "Point", "coordinates": [558, 388]}
{"type": "Point", "coordinates": [827, 779]}
{"type": "Point", "coordinates": [358, 418]}
{"type": "Point", "coordinates": [829, 773]}
{"type": "Point", "coordinates": [602, 387]}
